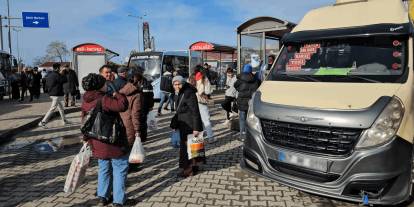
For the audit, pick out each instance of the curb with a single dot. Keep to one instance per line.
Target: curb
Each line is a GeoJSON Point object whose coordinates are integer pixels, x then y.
{"type": "Point", "coordinates": [8, 135]}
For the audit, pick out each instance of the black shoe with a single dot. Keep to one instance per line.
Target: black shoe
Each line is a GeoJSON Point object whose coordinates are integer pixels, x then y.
{"type": "Point", "coordinates": [103, 201]}
{"type": "Point", "coordinates": [117, 205]}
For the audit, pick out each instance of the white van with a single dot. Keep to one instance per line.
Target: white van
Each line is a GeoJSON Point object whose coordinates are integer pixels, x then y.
{"type": "Point", "coordinates": [335, 115]}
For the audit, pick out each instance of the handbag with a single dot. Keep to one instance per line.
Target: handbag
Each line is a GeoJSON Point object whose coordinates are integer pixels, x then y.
{"type": "Point", "coordinates": [103, 126]}
{"type": "Point", "coordinates": [77, 170]}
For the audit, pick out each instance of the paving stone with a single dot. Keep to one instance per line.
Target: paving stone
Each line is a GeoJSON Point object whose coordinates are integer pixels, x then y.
{"type": "Point", "coordinates": [37, 180]}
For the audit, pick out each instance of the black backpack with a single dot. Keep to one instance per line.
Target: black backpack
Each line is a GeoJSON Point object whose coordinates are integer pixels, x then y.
{"type": "Point", "coordinates": [104, 126]}
{"type": "Point", "coordinates": [166, 83]}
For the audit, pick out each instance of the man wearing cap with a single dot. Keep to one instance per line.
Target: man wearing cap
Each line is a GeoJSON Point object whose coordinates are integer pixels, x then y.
{"type": "Point", "coordinates": [54, 84]}
{"type": "Point", "coordinates": [122, 78]}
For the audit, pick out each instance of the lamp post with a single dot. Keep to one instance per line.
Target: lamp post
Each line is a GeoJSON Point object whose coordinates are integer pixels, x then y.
{"type": "Point", "coordinates": [140, 20]}
{"type": "Point", "coordinates": [17, 41]}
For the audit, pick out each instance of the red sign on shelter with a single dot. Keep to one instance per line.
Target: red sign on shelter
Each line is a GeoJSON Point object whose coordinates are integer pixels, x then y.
{"type": "Point", "coordinates": [202, 46]}
{"type": "Point", "coordinates": [89, 48]}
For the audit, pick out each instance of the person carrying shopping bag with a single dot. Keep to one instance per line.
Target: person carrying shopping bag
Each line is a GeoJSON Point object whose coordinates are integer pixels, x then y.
{"type": "Point", "coordinates": [112, 157]}
{"type": "Point", "coordinates": [131, 117]}
{"type": "Point", "coordinates": [188, 121]}
{"type": "Point", "coordinates": [203, 94]}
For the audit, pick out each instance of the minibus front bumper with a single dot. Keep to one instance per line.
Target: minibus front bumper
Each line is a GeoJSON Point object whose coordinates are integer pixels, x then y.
{"type": "Point", "coordinates": [381, 173]}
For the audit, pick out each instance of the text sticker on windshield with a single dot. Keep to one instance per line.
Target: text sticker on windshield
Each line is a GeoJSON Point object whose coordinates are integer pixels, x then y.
{"type": "Point", "coordinates": [305, 53]}
{"type": "Point", "coordinates": [396, 66]}
{"type": "Point", "coordinates": [396, 43]}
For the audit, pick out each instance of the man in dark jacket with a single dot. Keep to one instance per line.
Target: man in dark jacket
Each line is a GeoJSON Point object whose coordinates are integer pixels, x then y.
{"type": "Point", "coordinates": [70, 86]}
{"type": "Point", "coordinates": [147, 105]}
{"type": "Point", "coordinates": [54, 84]}
{"type": "Point", "coordinates": [37, 78]}
{"type": "Point", "coordinates": [23, 84]}
{"type": "Point", "coordinates": [166, 91]}
{"type": "Point", "coordinates": [122, 78]}
{"type": "Point", "coordinates": [245, 85]}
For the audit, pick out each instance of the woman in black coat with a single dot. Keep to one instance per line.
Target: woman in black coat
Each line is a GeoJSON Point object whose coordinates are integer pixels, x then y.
{"type": "Point", "coordinates": [188, 121]}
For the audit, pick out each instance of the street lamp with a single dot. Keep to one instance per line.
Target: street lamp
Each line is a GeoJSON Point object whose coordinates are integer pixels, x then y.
{"type": "Point", "coordinates": [140, 19]}
{"type": "Point", "coordinates": [18, 48]}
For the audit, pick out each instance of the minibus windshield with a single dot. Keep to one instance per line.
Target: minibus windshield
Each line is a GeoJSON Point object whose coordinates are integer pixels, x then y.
{"type": "Point", "coordinates": [368, 59]}
{"type": "Point", "coordinates": [151, 65]}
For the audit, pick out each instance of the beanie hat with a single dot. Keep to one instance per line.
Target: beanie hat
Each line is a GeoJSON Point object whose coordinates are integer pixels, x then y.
{"type": "Point", "coordinates": [93, 82]}
{"type": "Point", "coordinates": [178, 78]}
{"type": "Point", "coordinates": [247, 68]}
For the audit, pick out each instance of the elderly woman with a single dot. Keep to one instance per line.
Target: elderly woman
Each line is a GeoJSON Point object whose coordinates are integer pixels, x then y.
{"type": "Point", "coordinates": [112, 158]}
{"type": "Point", "coordinates": [188, 121]}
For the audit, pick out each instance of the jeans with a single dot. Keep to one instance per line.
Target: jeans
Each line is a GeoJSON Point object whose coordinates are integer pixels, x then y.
{"type": "Point", "coordinates": [112, 174]}
{"type": "Point", "coordinates": [56, 103]}
{"type": "Point", "coordinates": [164, 96]}
{"type": "Point", "coordinates": [205, 117]}
{"type": "Point", "coordinates": [242, 121]}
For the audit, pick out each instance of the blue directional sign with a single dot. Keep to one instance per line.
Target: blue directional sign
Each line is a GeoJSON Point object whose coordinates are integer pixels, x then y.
{"type": "Point", "coordinates": [35, 19]}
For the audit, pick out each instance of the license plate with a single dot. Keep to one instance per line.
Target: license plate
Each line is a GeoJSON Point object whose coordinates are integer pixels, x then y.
{"type": "Point", "coordinates": [303, 161]}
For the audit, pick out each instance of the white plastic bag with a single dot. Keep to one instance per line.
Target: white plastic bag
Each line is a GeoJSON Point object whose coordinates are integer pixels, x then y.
{"type": "Point", "coordinates": [137, 153]}
{"type": "Point", "coordinates": [152, 121]}
{"type": "Point", "coordinates": [195, 146]}
{"type": "Point", "coordinates": [77, 169]}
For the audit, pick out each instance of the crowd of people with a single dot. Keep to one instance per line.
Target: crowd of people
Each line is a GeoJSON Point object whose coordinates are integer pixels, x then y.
{"type": "Point", "coordinates": [31, 82]}
{"type": "Point", "coordinates": [125, 94]}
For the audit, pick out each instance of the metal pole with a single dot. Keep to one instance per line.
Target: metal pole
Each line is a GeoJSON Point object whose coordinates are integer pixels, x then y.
{"type": "Point", "coordinates": [8, 18]}
{"type": "Point", "coordinates": [139, 44]}
{"type": "Point", "coordinates": [1, 33]}
{"type": "Point", "coordinates": [18, 49]}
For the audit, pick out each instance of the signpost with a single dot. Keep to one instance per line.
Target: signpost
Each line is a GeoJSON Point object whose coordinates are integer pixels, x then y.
{"type": "Point", "coordinates": [35, 19]}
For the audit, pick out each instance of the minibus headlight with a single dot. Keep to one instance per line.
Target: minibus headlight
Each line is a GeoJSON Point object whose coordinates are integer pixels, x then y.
{"type": "Point", "coordinates": [252, 121]}
{"type": "Point", "coordinates": [385, 126]}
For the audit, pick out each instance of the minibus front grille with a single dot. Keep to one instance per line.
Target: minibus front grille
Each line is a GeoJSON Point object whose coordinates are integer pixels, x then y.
{"type": "Point", "coordinates": [310, 138]}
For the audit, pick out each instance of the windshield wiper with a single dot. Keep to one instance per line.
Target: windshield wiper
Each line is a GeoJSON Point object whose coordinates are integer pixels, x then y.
{"type": "Point", "coordinates": [301, 77]}
{"type": "Point", "coordinates": [363, 78]}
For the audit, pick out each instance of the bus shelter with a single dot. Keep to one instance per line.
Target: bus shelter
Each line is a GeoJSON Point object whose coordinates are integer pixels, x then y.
{"type": "Point", "coordinates": [89, 57]}
{"type": "Point", "coordinates": [219, 57]}
{"type": "Point", "coordinates": [258, 38]}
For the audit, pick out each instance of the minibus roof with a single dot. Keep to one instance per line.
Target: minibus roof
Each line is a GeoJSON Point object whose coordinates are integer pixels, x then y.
{"type": "Point", "coordinates": [354, 14]}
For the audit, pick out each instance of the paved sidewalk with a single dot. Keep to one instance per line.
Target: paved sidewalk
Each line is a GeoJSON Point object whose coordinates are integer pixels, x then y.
{"type": "Point", "coordinates": [17, 117]}
{"type": "Point", "coordinates": [31, 179]}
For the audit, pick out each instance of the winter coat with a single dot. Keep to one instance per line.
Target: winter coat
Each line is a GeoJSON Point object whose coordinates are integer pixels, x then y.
{"type": "Point", "coordinates": [72, 82]}
{"type": "Point", "coordinates": [231, 91]}
{"type": "Point", "coordinates": [147, 96]}
{"type": "Point", "coordinates": [119, 83]}
{"type": "Point", "coordinates": [116, 104]}
{"type": "Point", "coordinates": [23, 80]}
{"type": "Point", "coordinates": [245, 85]}
{"type": "Point", "coordinates": [130, 117]}
{"type": "Point", "coordinates": [54, 84]}
{"type": "Point", "coordinates": [203, 90]}
{"type": "Point", "coordinates": [37, 78]}
{"type": "Point", "coordinates": [188, 113]}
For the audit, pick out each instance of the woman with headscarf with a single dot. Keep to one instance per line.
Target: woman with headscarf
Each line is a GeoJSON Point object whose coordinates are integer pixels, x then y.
{"type": "Point", "coordinates": [188, 121]}
{"type": "Point", "coordinates": [112, 158]}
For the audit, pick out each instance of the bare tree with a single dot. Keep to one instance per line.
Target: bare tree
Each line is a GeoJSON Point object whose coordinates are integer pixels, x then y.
{"type": "Point", "coordinates": [40, 60]}
{"type": "Point", "coordinates": [57, 50]}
